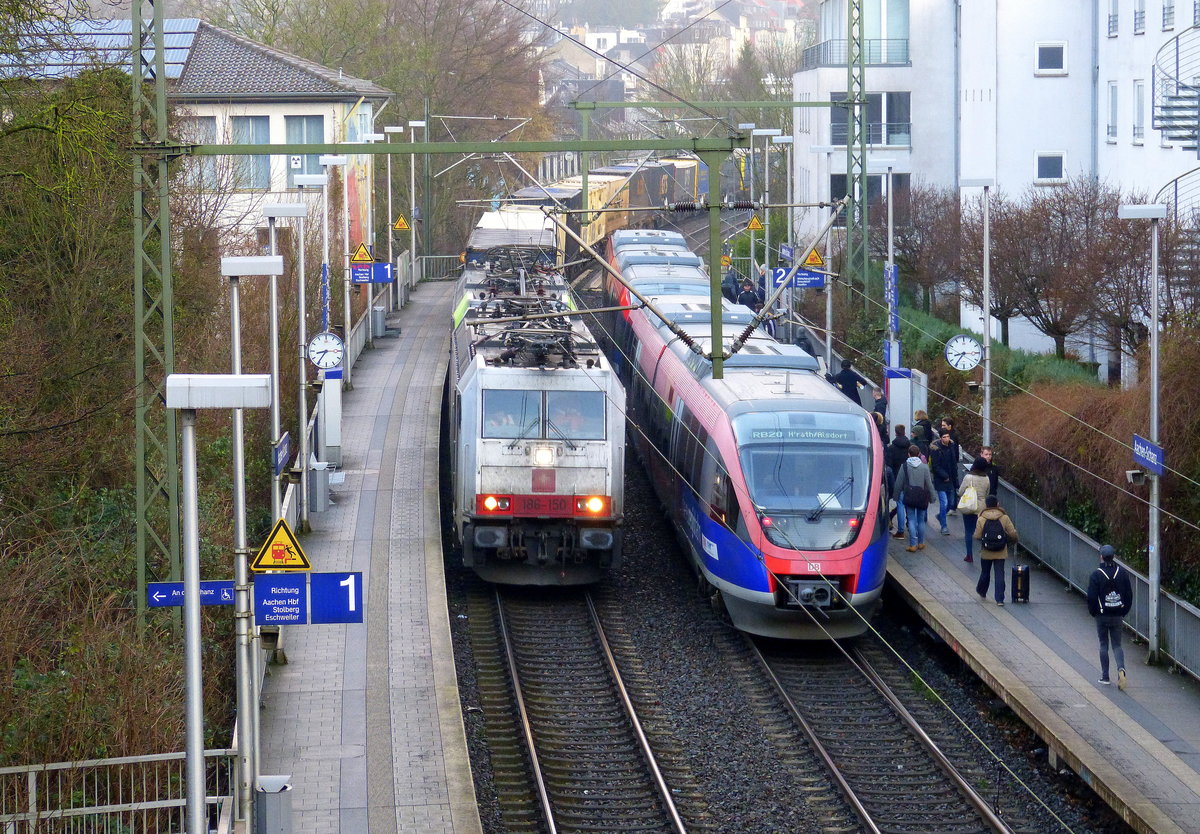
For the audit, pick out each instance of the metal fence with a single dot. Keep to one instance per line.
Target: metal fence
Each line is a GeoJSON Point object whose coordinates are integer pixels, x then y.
{"type": "Point", "coordinates": [128, 795]}
{"type": "Point", "coordinates": [438, 267]}
{"type": "Point", "coordinates": [1074, 556]}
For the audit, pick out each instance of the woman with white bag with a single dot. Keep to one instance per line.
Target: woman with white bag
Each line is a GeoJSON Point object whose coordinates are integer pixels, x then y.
{"type": "Point", "coordinates": [971, 494]}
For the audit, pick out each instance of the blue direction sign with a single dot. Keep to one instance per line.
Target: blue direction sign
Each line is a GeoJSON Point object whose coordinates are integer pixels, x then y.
{"type": "Point", "coordinates": [281, 453]}
{"type": "Point", "coordinates": [1149, 455]}
{"type": "Point", "coordinates": [372, 273]}
{"type": "Point", "coordinates": [336, 597]}
{"type": "Point", "coordinates": [280, 599]}
{"type": "Point", "coordinates": [360, 273]}
{"type": "Point", "coordinates": [891, 294]}
{"type": "Point", "coordinates": [786, 251]}
{"type": "Point", "coordinates": [166, 594]}
{"type": "Point", "coordinates": [807, 279]}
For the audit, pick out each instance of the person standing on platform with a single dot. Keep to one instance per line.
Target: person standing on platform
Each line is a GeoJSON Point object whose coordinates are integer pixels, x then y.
{"type": "Point", "coordinates": [943, 464]}
{"type": "Point", "coordinates": [976, 481]}
{"type": "Point", "coordinates": [894, 456]}
{"type": "Point", "coordinates": [880, 407]}
{"type": "Point", "coordinates": [1110, 596]}
{"type": "Point", "coordinates": [849, 381]}
{"type": "Point", "coordinates": [996, 533]}
{"type": "Point", "coordinates": [914, 488]}
{"type": "Point", "coordinates": [922, 431]}
{"type": "Point", "coordinates": [749, 297]}
{"type": "Point", "coordinates": [993, 471]}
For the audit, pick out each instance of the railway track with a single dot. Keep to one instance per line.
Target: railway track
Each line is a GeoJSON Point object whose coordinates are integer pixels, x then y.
{"type": "Point", "coordinates": [568, 749]}
{"type": "Point", "coordinates": [890, 770]}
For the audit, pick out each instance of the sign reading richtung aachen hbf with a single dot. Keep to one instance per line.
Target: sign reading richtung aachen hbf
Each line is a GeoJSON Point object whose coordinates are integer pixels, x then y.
{"type": "Point", "coordinates": [1149, 455]}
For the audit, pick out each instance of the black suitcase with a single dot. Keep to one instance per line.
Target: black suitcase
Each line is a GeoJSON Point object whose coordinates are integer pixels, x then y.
{"type": "Point", "coordinates": [1020, 583]}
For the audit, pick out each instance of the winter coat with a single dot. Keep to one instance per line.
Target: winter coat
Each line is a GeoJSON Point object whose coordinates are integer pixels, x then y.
{"type": "Point", "coordinates": [943, 463]}
{"type": "Point", "coordinates": [1009, 528]}
{"type": "Point", "coordinates": [896, 453]}
{"type": "Point", "coordinates": [848, 380]}
{"type": "Point", "coordinates": [922, 434]}
{"type": "Point", "coordinates": [917, 474]}
{"type": "Point", "coordinates": [993, 476]}
{"type": "Point", "coordinates": [980, 482]}
{"type": "Point", "coordinates": [1099, 578]}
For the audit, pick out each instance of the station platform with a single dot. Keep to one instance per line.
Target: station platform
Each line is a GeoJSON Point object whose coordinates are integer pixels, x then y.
{"type": "Point", "coordinates": [1138, 749]}
{"type": "Point", "coordinates": [365, 718]}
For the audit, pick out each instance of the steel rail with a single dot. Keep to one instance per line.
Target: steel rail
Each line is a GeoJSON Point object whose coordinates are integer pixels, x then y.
{"type": "Point", "coordinates": [847, 791]}
{"type": "Point", "coordinates": [663, 789]}
{"type": "Point", "coordinates": [972, 796]}
{"type": "Point", "coordinates": [523, 716]}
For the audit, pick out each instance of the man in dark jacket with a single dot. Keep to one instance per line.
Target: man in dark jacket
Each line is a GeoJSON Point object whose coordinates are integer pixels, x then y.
{"type": "Point", "coordinates": [748, 297]}
{"type": "Point", "coordinates": [993, 471]}
{"type": "Point", "coordinates": [893, 457]}
{"type": "Point", "coordinates": [849, 381]}
{"type": "Point", "coordinates": [1109, 597]}
{"type": "Point", "coordinates": [943, 465]}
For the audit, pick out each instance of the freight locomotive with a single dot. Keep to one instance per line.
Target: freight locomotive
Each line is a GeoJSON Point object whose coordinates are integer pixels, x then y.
{"type": "Point", "coordinates": [536, 414]}
{"type": "Point", "coordinates": [771, 477]}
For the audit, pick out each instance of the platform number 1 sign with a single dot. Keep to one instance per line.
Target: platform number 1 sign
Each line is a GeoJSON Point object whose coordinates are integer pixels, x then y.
{"type": "Point", "coordinates": [335, 598]}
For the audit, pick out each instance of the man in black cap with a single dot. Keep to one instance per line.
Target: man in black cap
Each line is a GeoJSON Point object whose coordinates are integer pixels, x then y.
{"type": "Point", "coordinates": [1109, 596]}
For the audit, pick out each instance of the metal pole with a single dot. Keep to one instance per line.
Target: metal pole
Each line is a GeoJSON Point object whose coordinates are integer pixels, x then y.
{"type": "Point", "coordinates": [713, 161]}
{"type": "Point", "coordinates": [276, 420]}
{"type": "Point", "coordinates": [767, 202]}
{"type": "Point", "coordinates": [828, 303]}
{"type": "Point", "coordinates": [791, 235]}
{"type": "Point", "coordinates": [346, 363]}
{"type": "Point", "coordinates": [302, 390]}
{"type": "Point", "coordinates": [390, 221]}
{"type": "Point", "coordinates": [987, 319]}
{"type": "Point", "coordinates": [193, 680]}
{"type": "Point", "coordinates": [753, 213]}
{"type": "Point", "coordinates": [891, 264]}
{"type": "Point", "coordinates": [325, 253]}
{"type": "Point", "coordinates": [1154, 559]}
{"type": "Point", "coordinates": [241, 568]}
{"type": "Point", "coordinates": [412, 208]}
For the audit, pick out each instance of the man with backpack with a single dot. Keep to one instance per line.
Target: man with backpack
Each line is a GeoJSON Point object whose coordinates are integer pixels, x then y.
{"type": "Point", "coordinates": [995, 533]}
{"type": "Point", "coordinates": [914, 488]}
{"type": "Point", "coordinates": [1109, 597]}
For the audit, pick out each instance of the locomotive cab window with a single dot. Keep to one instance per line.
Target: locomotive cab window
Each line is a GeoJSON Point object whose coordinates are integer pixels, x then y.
{"type": "Point", "coordinates": [575, 415]}
{"type": "Point", "coordinates": [511, 414]}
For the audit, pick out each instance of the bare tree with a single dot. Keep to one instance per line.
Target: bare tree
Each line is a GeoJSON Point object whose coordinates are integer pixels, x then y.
{"type": "Point", "coordinates": [1006, 229]}
{"type": "Point", "coordinates": [925, 239]}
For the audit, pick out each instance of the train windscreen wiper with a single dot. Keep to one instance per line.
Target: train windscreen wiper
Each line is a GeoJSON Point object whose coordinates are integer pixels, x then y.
{"type": "Point", "coordinates": [815, 515]}
{"type": "Point", "coordinates": [523, 433]}
{"type": "Point", "coordinates": [559, 432]}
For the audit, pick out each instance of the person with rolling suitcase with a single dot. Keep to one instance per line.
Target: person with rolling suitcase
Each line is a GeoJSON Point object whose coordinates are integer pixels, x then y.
{"type": "Point", "coordinates": [996, 533]}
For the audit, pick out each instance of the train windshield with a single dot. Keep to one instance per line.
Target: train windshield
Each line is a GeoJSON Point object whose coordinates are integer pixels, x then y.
{"type": "Point", "coordinates": [808, 475]}
{"type": "Point", "coordinates": [553, 415]}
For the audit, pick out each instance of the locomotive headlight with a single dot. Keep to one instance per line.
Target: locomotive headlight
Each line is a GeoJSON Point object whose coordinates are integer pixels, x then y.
{"type": "Point", "coordinates": [491, 502]}
{"type": "Point", "coordinates": [543, 456]}
{"type": "Point", "coordinates": [591, 504]}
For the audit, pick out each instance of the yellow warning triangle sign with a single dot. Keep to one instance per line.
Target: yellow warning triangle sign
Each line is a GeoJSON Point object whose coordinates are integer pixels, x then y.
{"type": "Point", "coordinates": [401, 225]}
{"type": "Point", "coordinates": [281, 552]}
{"type": "Point", "coordinates": [755, 225]}
{"type": "Point", "coordinates": [362, 255]}
{"type": "Point", "coordinates": [814, 259]}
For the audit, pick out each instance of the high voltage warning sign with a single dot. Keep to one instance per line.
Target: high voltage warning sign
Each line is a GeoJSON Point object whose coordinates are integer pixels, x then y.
{"type": "Point", "coordinates": [281, 552]}
{"type": "Point", "coordinates": [401, 225]}
{"type": "Point", "coordinates": [814, 260]}
{"type": "Point", "coordinates": [362, 255]}
{"type": "Point", "coordinates": [755, 225]}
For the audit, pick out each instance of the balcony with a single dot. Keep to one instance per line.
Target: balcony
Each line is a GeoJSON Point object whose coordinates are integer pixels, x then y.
{"type": "Point", "coordinates": [878, 133]}
{"type": "Point", "coordinates": [888, 52]}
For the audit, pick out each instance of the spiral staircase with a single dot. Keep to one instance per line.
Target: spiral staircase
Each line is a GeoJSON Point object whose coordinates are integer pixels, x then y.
{"type": "Point", "coordinates": [1176, 112]}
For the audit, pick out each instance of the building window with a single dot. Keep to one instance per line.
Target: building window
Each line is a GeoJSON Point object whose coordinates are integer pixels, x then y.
{"type": "Point", "coordinates": [203, 131]}
{"type": "Point", "coordinates": [888, 119]}
{"type": "Point", "coordinates": [1049, 168]}
{"type": "Point", "coordinates": [1112, 111]}
{"type": "Point", "coordinates": [251, 171]}
{"type": "Point", "coordinates": [1139, 111]}
{"type": "Point", "coordinates": [304, 130]}
{"type": "Point", "coordinates": [1139, 17]}
{"type": "Point", "coordinates": [1051, 58]}
{"type": "Point", "coordinates": [1168, 14]}
{"type": "Point", "coordinates": [1112, 18]}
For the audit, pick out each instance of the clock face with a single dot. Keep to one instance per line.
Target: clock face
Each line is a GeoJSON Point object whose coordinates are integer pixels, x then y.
{"type": "Point", "coordinates": [963, 353]}
{"type": "Point", "coordinates": [325, 350]}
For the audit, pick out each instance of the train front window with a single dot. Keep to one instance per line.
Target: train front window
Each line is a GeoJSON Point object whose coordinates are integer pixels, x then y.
{"type": "Point", "coordinates": [511, 414]}
{"type": "Point", "coordinates": [575, 415]}
{"type": "Point", "coordinates": [808, 476]}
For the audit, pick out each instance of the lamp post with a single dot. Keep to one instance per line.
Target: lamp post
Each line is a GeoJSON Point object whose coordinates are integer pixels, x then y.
{"type": "Point", "coordinates": [412, 198]}
{"type": "Point", "coordinates": [234, 269]}
{"type": "Point", "coordinates": [1154, 213]}
{"type": "Point", "coordinates": [327, 161]}
{"type": "Point", "coordinates": [986, 184]}
{"type": "Point", "coordinates": [390, 131]}
{"type": "Point", "coordinates": [303, 180]}
{"type": "Point", "coordinates": [789, 147]}
{"type": "Point", "coordinates": [370, 235]}
{"type": "Point", "coordinates": [187, 393]}
{"type": "Point", "coordinates": [749, 126]}
{"type": "Point", "coordinates": [273, 211]}
{"type": "Point", "coordinates": [890, 289]}
{"type": "Point", "coordinates": [772, 132]}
